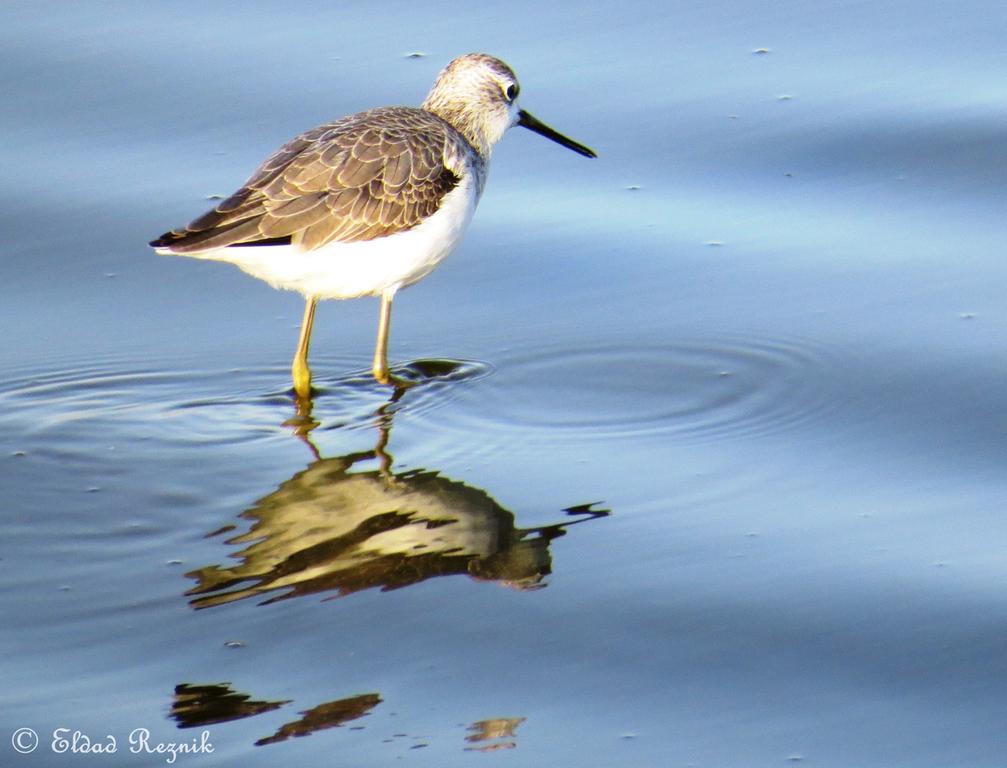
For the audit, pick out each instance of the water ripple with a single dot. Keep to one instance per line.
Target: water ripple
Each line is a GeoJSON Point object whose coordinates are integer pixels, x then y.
{"type": "Point", "coordinates": [693, 389]}
{"type": "Point", "coordinates": [189, 406]}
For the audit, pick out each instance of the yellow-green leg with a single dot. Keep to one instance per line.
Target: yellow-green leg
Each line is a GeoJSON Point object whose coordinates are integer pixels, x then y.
{"type": "Point", "coordinates": [380, 367]}
{"type": "Point", "coordinates": [300, 370]}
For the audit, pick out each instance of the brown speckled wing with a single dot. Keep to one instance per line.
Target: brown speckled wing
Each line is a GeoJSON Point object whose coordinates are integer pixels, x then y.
{"type": "Point", "coordinates": [362, 177]}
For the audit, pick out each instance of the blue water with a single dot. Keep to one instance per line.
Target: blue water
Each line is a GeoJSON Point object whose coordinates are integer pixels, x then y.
{"type": "Point", "coordinates": [707, 465]}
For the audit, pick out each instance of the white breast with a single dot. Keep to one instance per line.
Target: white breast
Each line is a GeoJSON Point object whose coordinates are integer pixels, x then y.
{"type": "Point", "coordinates": [363, 268]}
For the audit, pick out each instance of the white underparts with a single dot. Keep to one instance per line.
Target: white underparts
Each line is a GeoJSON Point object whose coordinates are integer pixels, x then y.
{"type": "Point", "coordinates": [362, 268]}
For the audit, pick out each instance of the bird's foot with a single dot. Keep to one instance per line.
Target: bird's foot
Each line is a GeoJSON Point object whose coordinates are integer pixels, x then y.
{"type": "Point", "coordinates": [389, 379]}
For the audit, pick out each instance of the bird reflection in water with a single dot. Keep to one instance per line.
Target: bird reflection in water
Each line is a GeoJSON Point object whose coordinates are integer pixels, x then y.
{"type": "Point", "coordinates": [493, 735]}
{"type": "Point", "coordinates": [332, 714]}
{"type": "Point", "coordinates": [197, 706]}
{"type": "Point", "coordinates": [337, 527]}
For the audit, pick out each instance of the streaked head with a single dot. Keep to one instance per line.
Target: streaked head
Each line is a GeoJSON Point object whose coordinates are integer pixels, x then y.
{"type": "Point", "coordinates": [478, 95]}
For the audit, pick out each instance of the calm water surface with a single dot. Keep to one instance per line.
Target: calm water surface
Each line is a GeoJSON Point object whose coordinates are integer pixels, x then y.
{"type": "Point", "coordinates": [706, 462]}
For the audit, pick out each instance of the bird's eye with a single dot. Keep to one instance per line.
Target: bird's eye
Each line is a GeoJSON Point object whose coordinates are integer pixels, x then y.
{"type": "Point", "coordinates": [511, 92]}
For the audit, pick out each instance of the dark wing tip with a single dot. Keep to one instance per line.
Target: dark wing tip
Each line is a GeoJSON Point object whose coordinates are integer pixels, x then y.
{"type": "Point", "coordinates": [165, 240]}
{"type": "Point", "coordinates": [176, 238]}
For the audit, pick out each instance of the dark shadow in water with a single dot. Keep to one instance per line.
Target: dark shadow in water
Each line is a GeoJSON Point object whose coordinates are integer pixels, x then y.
{"type": "Point", "coordinates": [196, 706]}
{"type": "Point", "coordinates": [334, 527]}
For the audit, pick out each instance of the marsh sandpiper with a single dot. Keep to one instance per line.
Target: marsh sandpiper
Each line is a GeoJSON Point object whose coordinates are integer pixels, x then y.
{"type": "Point", "coordinates": [368, 204]}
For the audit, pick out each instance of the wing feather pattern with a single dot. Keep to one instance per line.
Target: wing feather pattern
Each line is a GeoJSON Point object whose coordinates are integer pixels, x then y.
{"type": "Point", "coordinates": [362, 177]}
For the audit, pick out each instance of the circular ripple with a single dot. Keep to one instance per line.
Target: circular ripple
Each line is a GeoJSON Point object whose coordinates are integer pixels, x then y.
{"type": "Point", "coordinates": [117, 399]}
{"type": "Point", "coordinates": [695, 389]}
{"type": "Point", "coordinates": [97, 403]}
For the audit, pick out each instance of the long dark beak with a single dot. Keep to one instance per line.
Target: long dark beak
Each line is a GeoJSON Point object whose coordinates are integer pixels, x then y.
{"type": "Point", "coordinates": [527, 120]}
